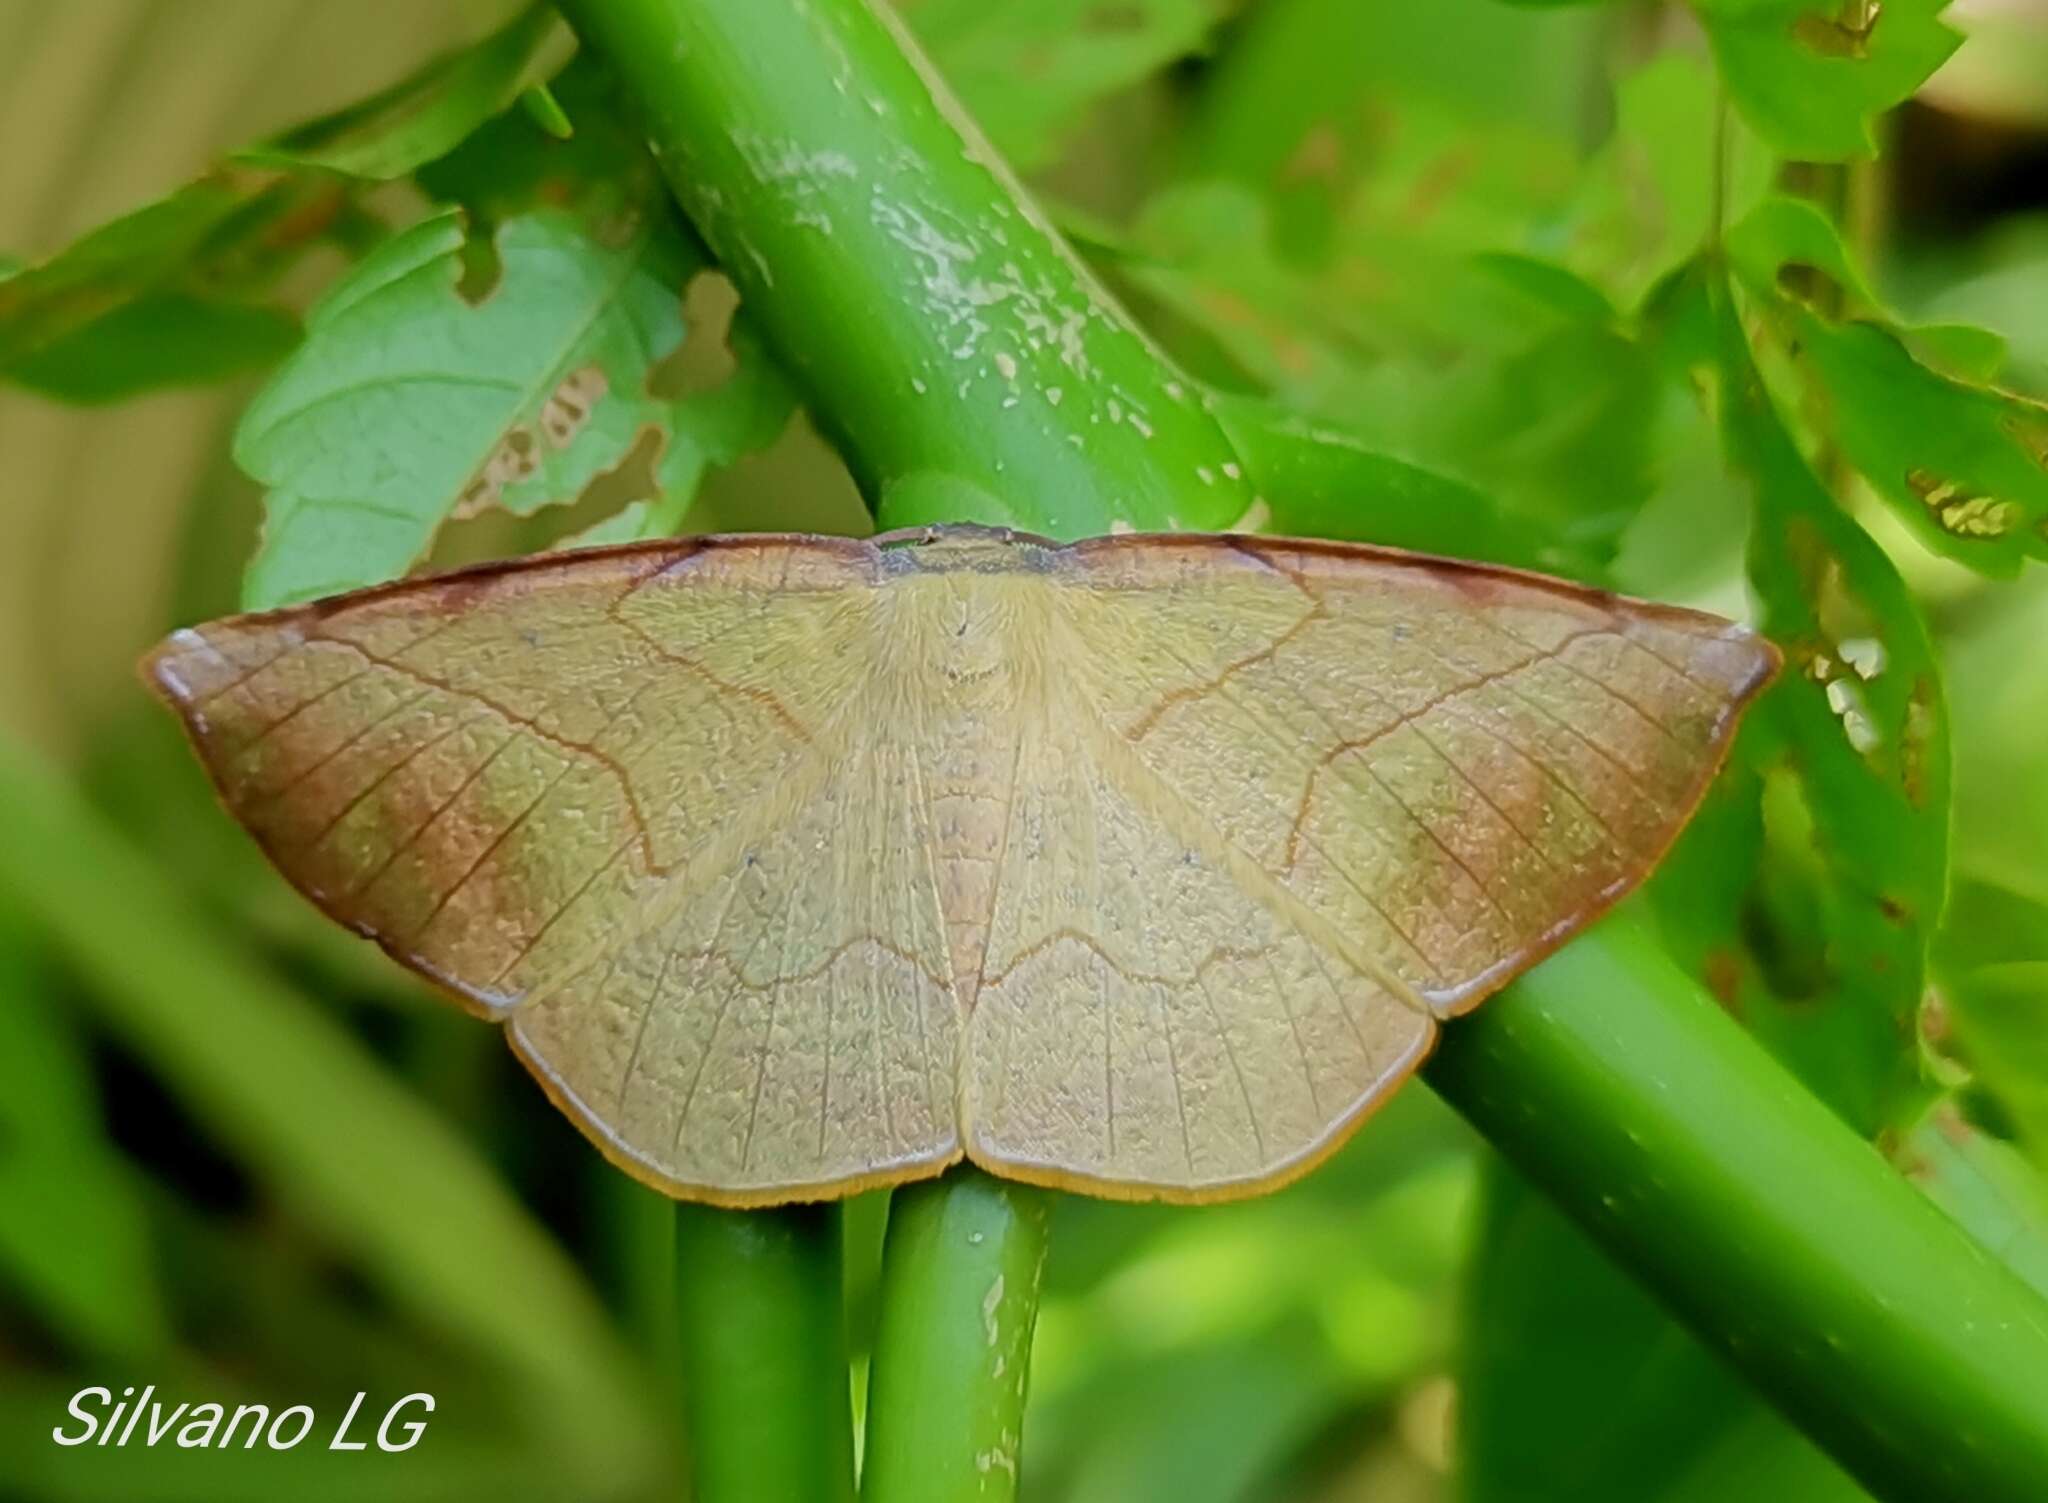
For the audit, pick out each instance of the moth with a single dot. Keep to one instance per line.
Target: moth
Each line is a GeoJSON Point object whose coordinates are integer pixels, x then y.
{"type": "Point", "coordinates": [1143, 866]}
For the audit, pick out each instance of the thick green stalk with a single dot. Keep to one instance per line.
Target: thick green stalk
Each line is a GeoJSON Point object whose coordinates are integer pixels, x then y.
{"type": "Point", "coordinates": [1866, 1315]}
{"type": "Point", "coordinates": [969, 366]}
{"type": "Point", "coordinates": [767, 1407]}
{"type": "Point", "coordinates": [959, 1298]}
{"type": "Point", "coordinates": [874, 239]}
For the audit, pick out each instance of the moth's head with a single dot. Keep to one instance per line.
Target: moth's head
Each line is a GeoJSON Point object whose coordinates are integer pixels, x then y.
{"type": "Point", "coordinates": [965, 547]}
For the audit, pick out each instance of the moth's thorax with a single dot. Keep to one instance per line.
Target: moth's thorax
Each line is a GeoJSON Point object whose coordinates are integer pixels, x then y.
{"type": "Point", "coordinates": [970, 641]}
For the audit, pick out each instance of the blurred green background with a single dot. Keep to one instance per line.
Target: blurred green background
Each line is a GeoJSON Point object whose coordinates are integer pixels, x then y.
{"type": "Point", "coordinates": [243, 1157]}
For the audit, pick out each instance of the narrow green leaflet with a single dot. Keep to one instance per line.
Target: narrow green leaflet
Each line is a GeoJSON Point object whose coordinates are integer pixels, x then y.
{"type": "Point", "coordinates": [1965, 463]}
{"type": "Point", "coordinates": [1029, 71]}
{"type": "Point", "coordinates": [174, 294]}
{"type": "Point", "coordinates": [1852, 748]}
{"type": "Point", "coordinates": [164, 296]}
{"type": "Point", "coordinates": [1810, 75]}
{"type": "Point", "coordinates": [1986, 1185]}
{"type": "Point", "coordinates": [428, 114]}
{"type": "Point", "coordinates": [1992, 959]}
{"type": "Point", "coordinates": [164, 339]}
{"type": "Point", "coordinates": [408, 405]}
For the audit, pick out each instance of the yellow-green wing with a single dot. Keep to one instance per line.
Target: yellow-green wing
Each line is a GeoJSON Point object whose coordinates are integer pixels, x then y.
{"type": "Point", "coordinates": [1149, 1021]}
{"type": "Point", "coordinates": [791, 1031]}
{"type": "Point", "coordinates": [612, 796]}
{"type": "Point", "coordinates": [1450, 768]}
{"type": "Point", "coordinates": [1289, 804]}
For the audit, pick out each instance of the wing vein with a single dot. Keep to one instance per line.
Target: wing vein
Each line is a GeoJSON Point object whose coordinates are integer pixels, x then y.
{"type": "Point", "coordinates": [297, 779]}
{"type": "Point", "coordinates": [1251, 1112]}
{"type": "Point", "coordinates": [917, 826]}
{"type": "Point", "coordinates": [1278, 740]}
{"type": "Point", "coordinates": [418, 834]}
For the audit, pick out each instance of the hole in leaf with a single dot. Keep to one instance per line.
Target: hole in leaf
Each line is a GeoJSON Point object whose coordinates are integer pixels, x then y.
{"type": "Point", "coordinates": [1959, 511]}
{"type": "Point", "coordinates": [704, 360]}
{"type": "Point", "coordinates": [515, 458]}
{"type": "Point", "coordinates": [489, 533]}
{"type": "Point", "coordinates": [1846, 34]}
{"type": "Point", "coordinates": [482, 268]}
{"type": "Point", "coordinates": [569, 405]}
{"type": "Point", "coordinates": [1812, 288]}
{"type": "Point", "coordinates": [1845, 698]}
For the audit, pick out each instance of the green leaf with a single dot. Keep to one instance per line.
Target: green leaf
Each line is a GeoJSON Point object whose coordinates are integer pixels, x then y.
{"type": "Point", "coordinates": [1966, 465]}
{"type": "Point", "coordinates": [1563, 430]}
{"type": "Point", "coordinates": [408, 405]}
{"type": "Point", "coordinates": [1986, 1186]}
{"type": "Point", "coordinates": [1202, 253]}
{"type": "Point", "coordinates": [1851, 747]}
{"type": "Point", "coordinates": [1321, 482]}
{"type": "Point", "coordinates": [1809, 75]}
{"type": "Point", "coordinates": [166, 295]}
{"type": "Point", "coordinates": [172, 294]}
{"type": "Point", "coordinates": [428, 114]}
{"type": "Point", "coordinates": [1029, 72]}
{"type": "Point", "coordinates": [518, 163]}
{"type": "Point", "coordinates": [1992, 958]}
{"type": "Point", "coordinates": [1648, 201]}
{"type": "Point", "coordinates": [1548, 405]}
{"type": "Point", "coordinates": [162, 339]}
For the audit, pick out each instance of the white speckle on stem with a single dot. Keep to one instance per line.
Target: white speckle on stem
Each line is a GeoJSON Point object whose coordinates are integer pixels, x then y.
{"type": "Point", "coordinates": [989, 1304]}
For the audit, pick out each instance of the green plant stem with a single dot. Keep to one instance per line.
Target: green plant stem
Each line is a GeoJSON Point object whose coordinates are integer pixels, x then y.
{"type": "Point", "coordinates": [1856, 1306]}
{"type": "Point", "coordinates": [1874, 1323]}
{"type": "Point", "coordinates": [960, 1279]}
{"type": "Point", "coordinates": [966, 362]}
{"type": "Point", "coordinates": [766, 1402]}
